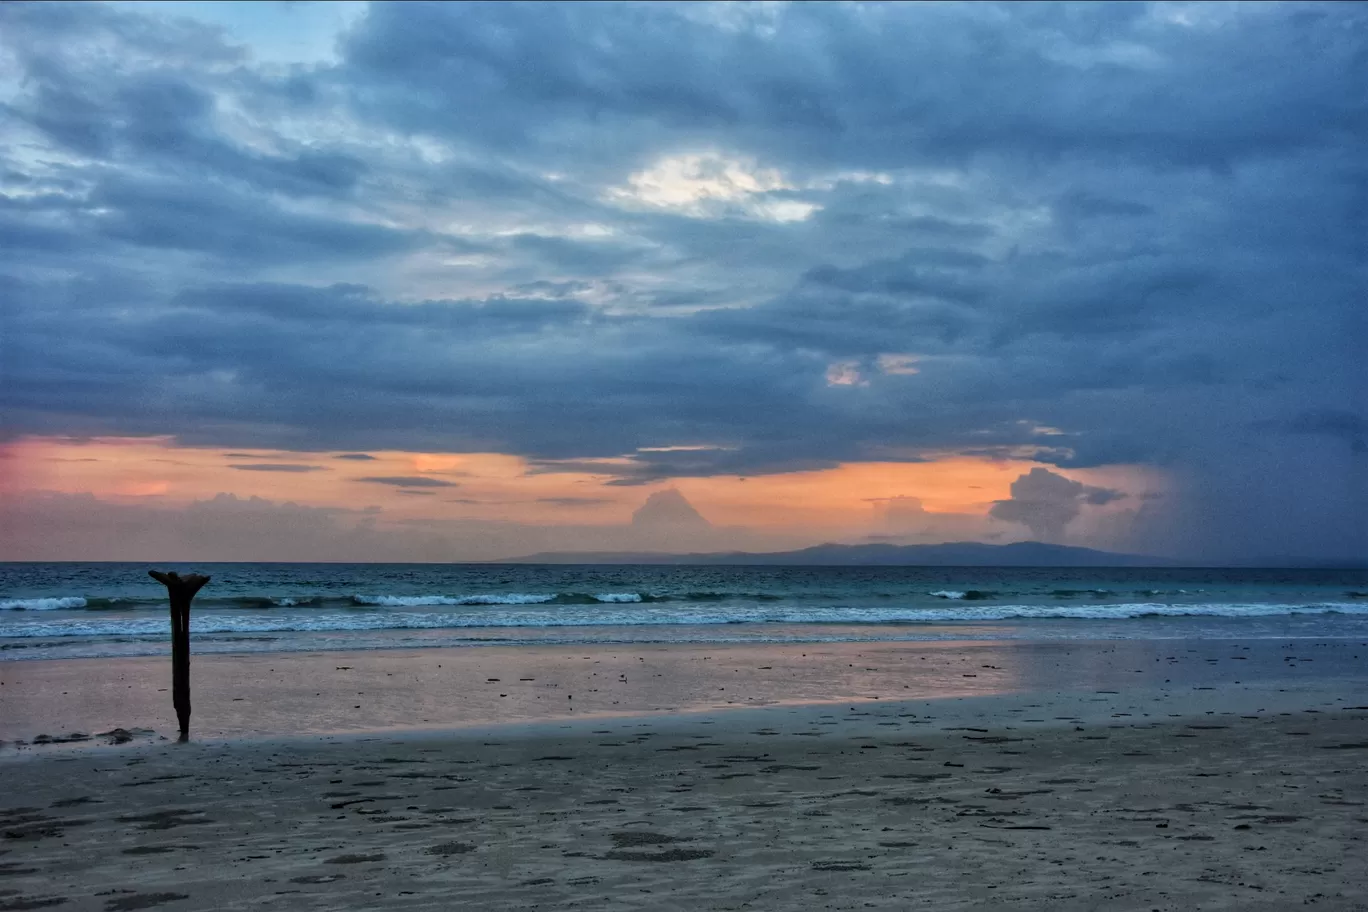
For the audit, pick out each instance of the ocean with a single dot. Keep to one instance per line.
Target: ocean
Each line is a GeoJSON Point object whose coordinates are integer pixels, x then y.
{"type": "Point", "coordinates": [71, 610]}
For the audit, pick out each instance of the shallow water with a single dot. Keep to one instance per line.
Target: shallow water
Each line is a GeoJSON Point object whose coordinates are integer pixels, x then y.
{"type": "Point", "coordinates": [69, 610]}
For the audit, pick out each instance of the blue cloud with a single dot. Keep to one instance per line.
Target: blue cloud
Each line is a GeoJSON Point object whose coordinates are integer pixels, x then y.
{"type": "Point", "coordinates": [575, 232]}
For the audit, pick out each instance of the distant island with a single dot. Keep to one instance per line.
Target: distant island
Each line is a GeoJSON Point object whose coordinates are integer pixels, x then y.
{"type": "Point", "coordinates": [950, 554]}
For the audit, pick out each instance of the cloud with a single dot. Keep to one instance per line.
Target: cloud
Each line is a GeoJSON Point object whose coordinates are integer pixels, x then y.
{"type": "Point", "coordinates": [668, 522]}
{"type": "Point", "coordinates": [356, 457]}
{"type": "Point", "coordinates": [51, 526]}
{"type": "Point", "coordinates": [785, 236]}
{"type": "Point", "coordinates": [574, 501]}
{"type": "Point", "coordinates": [1046, 502]}
{"type": "Point", "coordinates": [1099, 496]}
{"type": "Point", "coordinates": [902, 511]}
{"type": "Point", "coordinates": [1340, 424]}
{"type": "Point", "coordinates": [904, 520]}
{"type": "Point", "coordinates": [668, 509]}
{"type": "Point", "coordinates": [278, 467]}
{"type": "Point", "coordinates": [409, 481]}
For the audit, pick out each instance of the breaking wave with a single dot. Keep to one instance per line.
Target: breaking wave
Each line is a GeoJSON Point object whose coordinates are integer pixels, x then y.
{"type": "Point", "coordinates": [420, 601]}
{"type": "Point", "coordinates": [625, 612]}
{"type": "Point", "coordinates": [359, 600]}
{"type": "Point", "coordinates": [501, 598]}
{"type": "Point", "coordinates": [43, 604]}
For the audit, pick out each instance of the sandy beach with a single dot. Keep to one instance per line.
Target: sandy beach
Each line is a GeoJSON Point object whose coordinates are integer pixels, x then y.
{"type": "Point", "coordinates": [1182, 791]}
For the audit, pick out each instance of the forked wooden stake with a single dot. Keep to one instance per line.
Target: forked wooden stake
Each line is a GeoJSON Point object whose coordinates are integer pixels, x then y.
{"type": "Point", "coordinates": [182, 590]}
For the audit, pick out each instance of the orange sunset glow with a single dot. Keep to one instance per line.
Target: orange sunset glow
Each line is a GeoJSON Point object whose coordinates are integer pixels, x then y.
{"type": "Point", "coordinates": [949, 493]}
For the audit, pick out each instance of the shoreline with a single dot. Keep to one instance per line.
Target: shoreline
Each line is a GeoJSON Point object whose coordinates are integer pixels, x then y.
{"type": "Point", "coordinates": [1130, 776]}
{"type": "Point", "coordinates": [275, 634]}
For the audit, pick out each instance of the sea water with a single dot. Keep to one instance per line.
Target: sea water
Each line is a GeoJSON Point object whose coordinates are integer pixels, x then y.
{"type": "Point", "coordinates": [68, 610]}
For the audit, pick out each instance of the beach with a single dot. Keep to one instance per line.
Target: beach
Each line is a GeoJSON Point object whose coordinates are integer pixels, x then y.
{"type": "Point", "coordinates": [762, 457]}
{"type": "Point", "coordinates": [1052, 776]}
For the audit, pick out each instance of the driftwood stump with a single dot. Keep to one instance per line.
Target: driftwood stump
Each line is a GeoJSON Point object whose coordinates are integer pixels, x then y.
{"type": "Point", "coordinates": [182, 590]}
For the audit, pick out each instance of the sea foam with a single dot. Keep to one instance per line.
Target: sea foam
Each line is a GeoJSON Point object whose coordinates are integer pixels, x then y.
{"type": "Point", "coordinates": [627, 615]}
{"type": "Point", "coordinates": [419, 601]}
{"type": "Point", "coordinates": [43, 604]}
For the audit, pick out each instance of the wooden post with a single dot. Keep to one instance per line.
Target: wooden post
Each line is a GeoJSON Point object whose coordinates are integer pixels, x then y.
{"type": "Point", "coordinates": [182, 590]}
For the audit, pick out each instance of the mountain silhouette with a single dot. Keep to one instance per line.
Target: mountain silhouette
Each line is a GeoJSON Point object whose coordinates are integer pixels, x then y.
{"type": "Point", "coordinates": [950, 554]}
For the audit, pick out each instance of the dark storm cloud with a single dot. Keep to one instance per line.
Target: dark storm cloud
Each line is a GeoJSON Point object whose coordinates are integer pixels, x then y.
{"type": "Point", "coordinates": [867, 85]}
{"type": "Point", "coordinates": [1099, 234]}
{"type": "Point", "coordinates": [1344, 425]}
{"type": "Point", "coordinates": [208, 219]}
{"type": "Point", "coordinates": [130, 108]}
{"type": "Point", "coordinates": [756, 457]}
{"type": "Point", "coordinates": [1045, 502]}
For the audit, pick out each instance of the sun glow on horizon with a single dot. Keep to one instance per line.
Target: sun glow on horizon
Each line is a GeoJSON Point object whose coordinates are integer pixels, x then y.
{"type": "Point", "coordinates": [948, 492]}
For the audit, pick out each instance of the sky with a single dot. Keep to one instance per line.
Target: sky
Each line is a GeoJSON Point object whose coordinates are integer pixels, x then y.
{"type": "Point", "coordinates": [338, 281]}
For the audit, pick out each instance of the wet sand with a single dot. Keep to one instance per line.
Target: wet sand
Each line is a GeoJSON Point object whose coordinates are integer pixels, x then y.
{"type": "Point", "coordinates": [1191, 794]}
{"type": "Point", "coordinates": [261, 695]}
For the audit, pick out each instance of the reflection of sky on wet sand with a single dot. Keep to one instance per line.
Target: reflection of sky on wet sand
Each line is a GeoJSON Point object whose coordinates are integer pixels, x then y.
{"type": "Point", "coordinates": [351, 692]}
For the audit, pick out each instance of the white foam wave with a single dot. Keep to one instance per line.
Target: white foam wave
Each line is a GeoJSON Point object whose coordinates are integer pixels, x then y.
{"type": "Point", "coordinates": [403, 601]}
{"type": "Point", "coordinates": [603, 616]}
{"type": "Point", "coordinates": [611, 598]}
{"type": "Point", "coordinates": [948, 594]}
{"type": "Point", "coordinates": [510, 598]}
{"type": "Point", "coordinates": [43, 604]}
{"type": "Point", "coordinates": [420, 601]}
